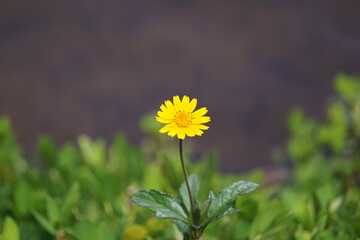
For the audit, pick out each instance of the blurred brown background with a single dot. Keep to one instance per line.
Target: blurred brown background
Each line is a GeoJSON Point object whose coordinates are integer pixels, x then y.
{"type": "Point", "coordinates": [95, 67]}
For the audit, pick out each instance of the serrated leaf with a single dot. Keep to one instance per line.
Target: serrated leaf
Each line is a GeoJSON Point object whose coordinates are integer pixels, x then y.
{"type": "Point", "coordinates": [184, 195]}
{"type": "Point", "coordinates": [10, 229]}
{"type": "Point", "coordinates": [224, 212]}
{"type": "Point", "coordinates": [183, 228]}
{"type": "Point", "coordinates": [205, 207]}
{"type": "Point", "coordinates": [164, 205]}
{"type": "Point", "coordinates": [224, 202]}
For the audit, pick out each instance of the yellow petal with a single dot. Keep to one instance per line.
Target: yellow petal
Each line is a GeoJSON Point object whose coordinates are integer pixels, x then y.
{"type": "Point", "coordinates": [203, 127]}
{"type": "Point", "coordinates": [165, 115]}
{"type": "Point", "coordinates": [167, 128]}
{"type": "Point", "coordinates": [189, 132]}
{"type": "Point", "coordinates": [201, 120]}
{"type": "Point", "coordinates": [177, 103]}
{"type": "Point", "coordinates": [185, 102]}
{"type": "Point", "coordinates": [162, 120]}
{"type": "Point", "coordinates": [170, 106]}
{"type": "Point", "coordinates": [181, 134]}
{"type": "Point", "coordinates": [200, 112]}
{"type": "Point", "coordinates": [163, 108]}
{"type": "Point", "coordinates": [172, 132]}
{"type": "Point", "coordinates": [192, 105]}
{"type": "Point", "coordinates": [198, 132]}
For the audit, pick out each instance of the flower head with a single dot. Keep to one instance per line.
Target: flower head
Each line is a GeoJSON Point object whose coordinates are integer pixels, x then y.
{"type": "Point", "coordinates": [181, 119]}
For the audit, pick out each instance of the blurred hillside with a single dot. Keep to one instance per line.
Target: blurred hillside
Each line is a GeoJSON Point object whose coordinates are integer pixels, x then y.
{"type": "Point", "coordinates": [70, 67]}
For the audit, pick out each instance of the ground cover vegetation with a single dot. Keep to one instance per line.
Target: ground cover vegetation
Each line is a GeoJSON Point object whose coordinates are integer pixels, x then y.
{"type": "Point", "coordinates": [81, 190]}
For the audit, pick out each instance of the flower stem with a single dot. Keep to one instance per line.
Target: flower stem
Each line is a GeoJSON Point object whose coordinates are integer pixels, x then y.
{"type": "Point", "coordinates": [186, 178]}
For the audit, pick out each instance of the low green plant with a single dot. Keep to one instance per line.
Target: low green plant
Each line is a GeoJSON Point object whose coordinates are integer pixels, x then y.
{"type": "Point", "coordinates": [186, 212]}
{"type": "Point", "coordinates": [81, 190]}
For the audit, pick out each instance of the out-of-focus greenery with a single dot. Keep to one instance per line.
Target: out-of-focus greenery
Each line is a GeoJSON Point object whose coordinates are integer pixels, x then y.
{"type": "Point", "coordinates": [81, 191]}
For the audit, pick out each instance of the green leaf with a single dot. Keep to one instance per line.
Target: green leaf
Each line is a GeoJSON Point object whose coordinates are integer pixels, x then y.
{"type": "Point", "coordinates": [44, 222]}
{"type": "Point", "coordinates": [92, 150]}
{"type": "Point", "coordinates": [10, 229]}
{"type": "Point", "coordinates": [184, 195]}
{"type": "Point", "coordinates": [52, 211]}
{"type": "Point", "coordinates": [68, 157]}
{"type": "Point", "coordinates": [47, 150]}
{"type": "Point", "coordinates": [183, 228]}
{"type": "Point", "coordinates": [205, 207]}
{"type": "Point", "coordinates": [264, 221]}
{"type": "Point", "coordinates": [356, 116]}
{"type": "Point", "coordinates": [23, 197]}
{"type": "Point", "coordinates": [164, 205]}
{"type": "Point", "coordinates": [347, 86]}
{"type": "Point", "coordinates": [84, 230]}
{"type": "Point", "coordinates": [70, 200]}
{"type": "Point", "coordinates": [223, 203]}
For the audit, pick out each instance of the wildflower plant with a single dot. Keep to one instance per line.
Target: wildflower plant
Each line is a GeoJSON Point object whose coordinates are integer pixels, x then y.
{"type": "Point", "coordinates": [185, 211]}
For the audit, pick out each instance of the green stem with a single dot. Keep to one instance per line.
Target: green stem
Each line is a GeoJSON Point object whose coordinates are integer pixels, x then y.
{"type": "Point", "coordinates": [186, 178]}
{"type": "Point", "coordinates": [195, 213]}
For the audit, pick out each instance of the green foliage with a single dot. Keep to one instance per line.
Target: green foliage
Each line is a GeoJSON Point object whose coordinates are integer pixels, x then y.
{"type": "Point", "coordinates": [347, 87]}
{"type": "Point", "coordinates": [178, 209]}
{"type": "Point", "coordinates": [223, 203]}
{"type": "Point", "coordinates": [10, 230]}
{"type": "Point", "coordinates": [165, 205]}
{"type": "Point", "coordinates": [184, 197]}
{"type": "Point", "coordinates": [81, 190]}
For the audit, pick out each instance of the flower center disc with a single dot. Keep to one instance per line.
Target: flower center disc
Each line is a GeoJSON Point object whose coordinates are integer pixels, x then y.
{"type": "Point", "coordinates": [182, 119]}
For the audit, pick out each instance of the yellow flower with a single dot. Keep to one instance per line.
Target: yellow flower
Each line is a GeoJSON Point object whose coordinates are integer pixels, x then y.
{"type": "Point", "coordinates": [135, 232]}
{"type": "Point", "coordinates": [181, 119]}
